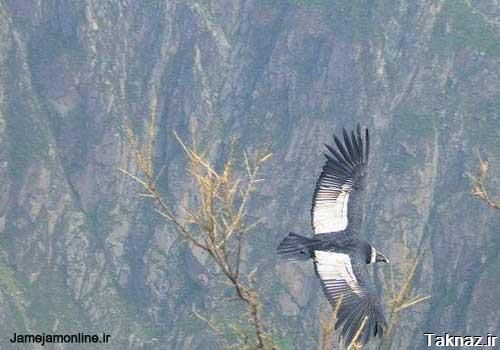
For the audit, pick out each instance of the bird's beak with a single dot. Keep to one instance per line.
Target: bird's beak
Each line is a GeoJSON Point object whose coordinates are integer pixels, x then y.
{"type": "Point", "coordinates": [381, 258]}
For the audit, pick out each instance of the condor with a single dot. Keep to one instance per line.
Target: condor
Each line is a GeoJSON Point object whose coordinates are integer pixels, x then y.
{"type": "Point", "coordinates": [340, 257]}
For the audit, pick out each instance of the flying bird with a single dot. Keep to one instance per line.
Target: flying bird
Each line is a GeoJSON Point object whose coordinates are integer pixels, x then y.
{"type": "Point", "coordinates": [340, 256]}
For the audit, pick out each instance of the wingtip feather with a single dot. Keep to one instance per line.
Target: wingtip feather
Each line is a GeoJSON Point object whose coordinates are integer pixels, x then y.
{"type": "Point", "coordinates": [342, 150]}
{"type": "Point", "coordinates": [367, 144]}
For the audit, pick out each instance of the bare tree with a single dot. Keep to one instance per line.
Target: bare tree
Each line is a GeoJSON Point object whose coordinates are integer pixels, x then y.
{"type": "Point", "coordinates": [216, 222]}
{"type": "Point", "coordinates": [327, 319]}
{"type": "Point", "coordinates": [399, 287]}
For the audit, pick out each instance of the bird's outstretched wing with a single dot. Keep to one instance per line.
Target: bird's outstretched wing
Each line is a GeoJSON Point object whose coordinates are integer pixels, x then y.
{"type": "Point", "coordinates": [346, 283]}
{"type": "Point", "coordinates": [337, 200]}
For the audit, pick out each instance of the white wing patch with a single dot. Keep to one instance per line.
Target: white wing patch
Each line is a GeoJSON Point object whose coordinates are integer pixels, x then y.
{"type": "Point", "coordinates": [373, 257]}
{"type": "Point", "coordinates": [335, 268]}
{"type": "Point", "coordinates": [330, 209]}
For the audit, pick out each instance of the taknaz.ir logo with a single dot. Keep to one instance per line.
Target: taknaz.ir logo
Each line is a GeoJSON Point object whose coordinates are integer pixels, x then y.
{"type": "Point", "coordinates": [448, 340]}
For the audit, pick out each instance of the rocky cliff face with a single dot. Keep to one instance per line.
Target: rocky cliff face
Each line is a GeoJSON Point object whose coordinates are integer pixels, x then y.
{"type": "Point", "coordinates": [80, 252]}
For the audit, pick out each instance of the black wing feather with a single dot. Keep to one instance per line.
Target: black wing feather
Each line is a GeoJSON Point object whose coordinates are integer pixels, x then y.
{"type": "Point", "coordinates": [360, 141]}
{"type": "Point", "coordinates": [367, 148]}
{"type": "Point", "coordinates": [334, 165]}
{"type": "Point", "coordinates": [340, 158]}
{"type": "Point", "coordinates": [342, 150]}
{"type": "Point", "coordinates": [357, 150]}
{"type": "Point", "coordinates": [348, 145]}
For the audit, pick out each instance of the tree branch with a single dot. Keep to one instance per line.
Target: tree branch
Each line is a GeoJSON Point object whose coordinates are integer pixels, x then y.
{"type": "Point", "coordinates": [217, 219]}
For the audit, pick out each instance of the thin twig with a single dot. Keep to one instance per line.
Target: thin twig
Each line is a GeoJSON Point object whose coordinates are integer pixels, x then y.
{"type": "Point", "coordinates": [478, 184]}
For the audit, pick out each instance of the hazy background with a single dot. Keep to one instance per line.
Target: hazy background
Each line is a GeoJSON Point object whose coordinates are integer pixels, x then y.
{"type": "Point", "coordinates": [79, 252]}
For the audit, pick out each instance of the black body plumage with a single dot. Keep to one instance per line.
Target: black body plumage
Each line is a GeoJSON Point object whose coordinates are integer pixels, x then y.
{"type": "Point", "coordinates": [340, 257]}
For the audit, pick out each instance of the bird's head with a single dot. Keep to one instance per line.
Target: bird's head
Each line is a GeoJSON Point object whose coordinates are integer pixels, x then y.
{"type": "Point", "coordinates": [376, 256]}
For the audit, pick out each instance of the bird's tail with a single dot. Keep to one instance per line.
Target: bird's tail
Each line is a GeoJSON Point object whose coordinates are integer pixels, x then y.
{"type": "Point", "coordinates": [296, 247]}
